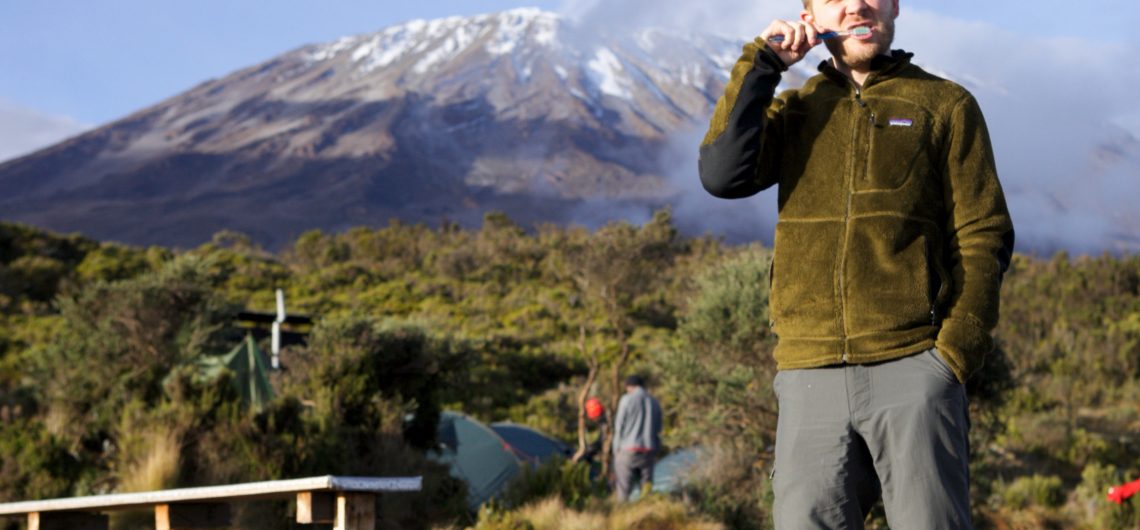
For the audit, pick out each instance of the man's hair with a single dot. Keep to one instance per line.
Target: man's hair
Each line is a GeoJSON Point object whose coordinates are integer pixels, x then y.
{"type": "Point", "coordinates": [635, 380]}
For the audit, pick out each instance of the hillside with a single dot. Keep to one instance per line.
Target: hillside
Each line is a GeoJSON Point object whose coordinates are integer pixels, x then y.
{"type": "Point", "coordinates": [95, 341]}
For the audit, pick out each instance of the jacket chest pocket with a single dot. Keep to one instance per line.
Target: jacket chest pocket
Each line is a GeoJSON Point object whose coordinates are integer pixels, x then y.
{"type": "Point", "coordinates": [897, 148]}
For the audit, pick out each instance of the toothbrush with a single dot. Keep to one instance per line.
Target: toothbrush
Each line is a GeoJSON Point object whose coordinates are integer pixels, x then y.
{"type": "Point", "coordinates": [861, 30]}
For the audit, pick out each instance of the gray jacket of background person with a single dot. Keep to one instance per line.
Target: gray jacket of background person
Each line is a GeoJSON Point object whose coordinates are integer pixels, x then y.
{"type": "Point", "coordinates": [637, 427]}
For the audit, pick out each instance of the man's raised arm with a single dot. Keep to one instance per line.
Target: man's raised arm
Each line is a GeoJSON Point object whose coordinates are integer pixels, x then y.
{"type": "Point", "coordinates": [740, 150]}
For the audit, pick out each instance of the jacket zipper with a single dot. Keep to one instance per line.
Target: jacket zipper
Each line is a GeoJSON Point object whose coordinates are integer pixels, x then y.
{"type": "Point", "coordinates": [847, 218]}
{"type": "Point", "coordinates": [842, 272]}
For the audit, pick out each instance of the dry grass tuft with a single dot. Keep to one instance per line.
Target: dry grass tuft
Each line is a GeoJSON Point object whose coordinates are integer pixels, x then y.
{"type": "Point", "coordinates": [551, 514]}
{"type": "Point", "coordinates": [156, 467]}
{"type": "Point", "coordinates": [658, 513]}
{"type": "Point", "coordinates": [654, 513]}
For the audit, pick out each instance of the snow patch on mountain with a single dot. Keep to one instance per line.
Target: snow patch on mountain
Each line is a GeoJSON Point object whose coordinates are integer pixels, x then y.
{"type": "Point", "coordinates": [460, 38]}
{"type": "Point", "coordinates": [608, 75]}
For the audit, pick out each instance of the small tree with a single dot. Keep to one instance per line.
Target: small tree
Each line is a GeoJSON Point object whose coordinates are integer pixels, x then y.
{"type": "Point", "coordinates": [614, 271]}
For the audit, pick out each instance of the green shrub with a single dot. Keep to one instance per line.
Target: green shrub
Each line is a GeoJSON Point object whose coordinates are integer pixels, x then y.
{"type": "Point", "coordinates": [732, 486]}
{"type": "Point", "coordinates": [1037, 490]}
{"type": "Point", "coordinates": [495, 519]}
{"type": "Point", "coordinates": [569, 481]}
{"type": "Point", "coordinates": [34, 464]}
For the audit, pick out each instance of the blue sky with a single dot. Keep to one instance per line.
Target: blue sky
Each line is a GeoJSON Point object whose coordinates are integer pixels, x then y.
{"type": "Point", "coordinates": [93, 61]}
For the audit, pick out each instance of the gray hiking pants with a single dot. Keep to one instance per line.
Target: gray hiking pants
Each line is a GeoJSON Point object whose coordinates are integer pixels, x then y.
{"type": "Point", "coordinates": [848, 434]}
{"type": "Point", "coordinates": [632, 470]}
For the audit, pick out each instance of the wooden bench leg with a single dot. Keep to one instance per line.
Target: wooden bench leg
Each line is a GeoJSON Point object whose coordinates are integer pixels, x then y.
{"type": "Point", "coordinates": [67, 521]}
{"type": "Point", "coordinates": [316, 507]}
{"type": "Point", "coordinates": [191, 515]}
{"type": "Point", "coordinates": [355, 511]}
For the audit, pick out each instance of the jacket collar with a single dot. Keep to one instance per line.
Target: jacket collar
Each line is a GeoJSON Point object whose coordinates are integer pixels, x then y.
{"type": "Point", "coordinates": [882, 66]}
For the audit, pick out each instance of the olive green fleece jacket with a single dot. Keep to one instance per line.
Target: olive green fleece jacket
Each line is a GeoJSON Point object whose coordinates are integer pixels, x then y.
{"type": "Point", "coordinates": [893, 230]}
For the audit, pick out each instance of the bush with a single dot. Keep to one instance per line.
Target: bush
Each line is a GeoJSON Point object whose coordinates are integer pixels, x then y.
{"type": "Point", "coordinates": [566, 480]}
{"type": "Point", "coordinates": [1038, 490]}
{"type": "Point", "coordinates": [33, 463]}
{"type": "Point", "coordinates": [732, 486]}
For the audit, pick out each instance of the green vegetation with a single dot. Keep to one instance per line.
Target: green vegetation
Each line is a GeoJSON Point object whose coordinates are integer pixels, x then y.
{"type": "Point", "coordinates": [99, 390]}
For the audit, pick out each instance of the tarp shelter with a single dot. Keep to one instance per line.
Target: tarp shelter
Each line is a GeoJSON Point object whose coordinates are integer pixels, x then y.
{"type": "Point", "coordinates": [529, 445]}
{"type": "Point", "coordinates": [251, 372]}
{"type": "Point", "coordinates": [475, 455]}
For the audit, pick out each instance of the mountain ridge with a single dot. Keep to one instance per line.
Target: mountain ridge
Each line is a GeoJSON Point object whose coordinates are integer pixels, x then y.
{"type": "Point", "coordinates": [515, 111]}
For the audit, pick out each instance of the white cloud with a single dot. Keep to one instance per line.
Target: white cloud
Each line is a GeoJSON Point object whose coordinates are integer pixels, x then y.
{"type": "Point", "coordinates": [23, 130]}
{"type": "Point", "coordinates": [1056, 108]}
{"type": "Point", "coordinates": [739, 18]}
{"type": "Point", "coordinates": [1130, 122]}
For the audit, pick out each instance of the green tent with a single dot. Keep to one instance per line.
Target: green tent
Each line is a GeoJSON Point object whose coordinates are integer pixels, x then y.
{"type": "Point", "coordinates": [475, 455]}
{"type": "Point", "coordinates": [251, 372]}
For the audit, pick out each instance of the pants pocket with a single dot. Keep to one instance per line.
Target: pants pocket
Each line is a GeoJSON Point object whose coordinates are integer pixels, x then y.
{"type": "Point", "coordinates": [935, 358]}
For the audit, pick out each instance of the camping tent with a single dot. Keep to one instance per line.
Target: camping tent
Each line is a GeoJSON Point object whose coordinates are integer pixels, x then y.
{"type": "Point", "coordinates": [670, 472]}
{"type": "Point", "coordinates": [476, 455]}
{"type": "Point", "coordinates": [529, 445]}
{"type": "Point", "coordinates": [251, 372]}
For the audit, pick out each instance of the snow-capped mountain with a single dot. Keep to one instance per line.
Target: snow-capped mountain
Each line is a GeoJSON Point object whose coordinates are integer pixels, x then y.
{"type": "Point", "coordinates": [518, 111]}
{"type": "Point", "coordinates": [522, 112]}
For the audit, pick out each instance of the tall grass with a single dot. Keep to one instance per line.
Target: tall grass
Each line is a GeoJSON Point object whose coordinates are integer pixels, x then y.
{"type": "Point", "coordinates": [150, 462]}
{"type": "Point", "coordinates": [156, 467]}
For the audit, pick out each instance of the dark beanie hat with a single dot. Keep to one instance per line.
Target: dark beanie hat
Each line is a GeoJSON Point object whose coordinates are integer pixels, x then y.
{"type": "Point", "coordinates": [635, 380]}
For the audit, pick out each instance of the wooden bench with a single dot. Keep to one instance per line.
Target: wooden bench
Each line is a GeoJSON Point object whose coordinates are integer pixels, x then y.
{"type": "Point", "coordinates": [347, 502]}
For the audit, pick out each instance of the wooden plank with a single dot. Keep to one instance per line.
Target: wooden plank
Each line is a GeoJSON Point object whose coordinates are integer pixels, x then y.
{"type": "Point", "coordinates": [274, 489]}
{"type": "Point", "coordinates": [67, 521]}
{"type": "Point", "coordinates": [316, 507]}
{"type": "Point", "coordinates": [355, 511]}
{"type": "Point", "coordinates": [191, 515]}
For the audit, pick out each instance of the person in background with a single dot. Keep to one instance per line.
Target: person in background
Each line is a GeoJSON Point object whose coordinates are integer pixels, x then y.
{"type": "Point", "coordinates": [637, 438]}
{"type": "Point", "coordinates": [596, 413]}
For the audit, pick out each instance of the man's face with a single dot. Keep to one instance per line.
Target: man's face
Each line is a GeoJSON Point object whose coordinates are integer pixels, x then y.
{"type": "Point", "coordinates": [839, 15]}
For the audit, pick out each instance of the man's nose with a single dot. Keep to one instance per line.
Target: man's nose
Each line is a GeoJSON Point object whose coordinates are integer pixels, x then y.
{"type": "Point", "coordinates": [856, 7]}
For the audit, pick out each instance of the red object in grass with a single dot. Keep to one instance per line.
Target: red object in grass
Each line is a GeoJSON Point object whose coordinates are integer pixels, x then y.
{"type": "Point", "coordinates": [1121, 493]}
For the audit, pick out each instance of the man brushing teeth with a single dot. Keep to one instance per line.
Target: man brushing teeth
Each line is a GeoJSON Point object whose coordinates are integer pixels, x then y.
{"type": "Point", "coordinates": [892, 240]}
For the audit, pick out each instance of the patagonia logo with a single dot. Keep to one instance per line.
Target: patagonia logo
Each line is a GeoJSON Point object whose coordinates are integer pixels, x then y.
{"type": "Point", "coordinates": [900, 122]}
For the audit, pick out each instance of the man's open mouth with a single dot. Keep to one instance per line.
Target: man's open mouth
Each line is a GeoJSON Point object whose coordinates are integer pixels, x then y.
{"type": "Point", "coordinates": [861, 35]}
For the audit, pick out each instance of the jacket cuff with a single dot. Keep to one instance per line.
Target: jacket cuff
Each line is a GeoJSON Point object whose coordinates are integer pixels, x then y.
{"type": "Point", "coordinates": [768, 56]}
{"type": "Point", "coordinates": [964, 345]}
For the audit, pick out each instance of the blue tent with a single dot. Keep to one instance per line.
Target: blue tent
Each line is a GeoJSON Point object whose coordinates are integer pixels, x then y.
{"type": "Point", "coordinates": [529, 445]}
{"type": "Point", "coordinates": [670, 472]}
{"type": "Point", "coordinates": [476, 455]}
